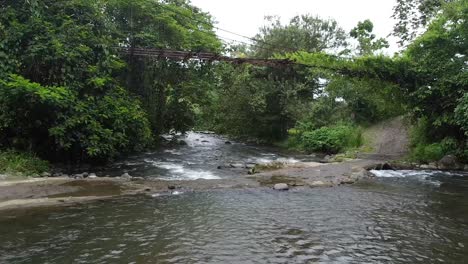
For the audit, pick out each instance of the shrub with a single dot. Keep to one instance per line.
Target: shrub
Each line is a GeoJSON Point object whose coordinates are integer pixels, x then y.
{"type": "Point", "coordinates": [331, 139]}
{"type": "Point", "coordinates": [23, 163]}
{"type": "Point", "coordinates": [57, 122]}
{"type": "Point", "coordinates": [461, 113]}
{"type": "Point", "coordinates": [427, 153]}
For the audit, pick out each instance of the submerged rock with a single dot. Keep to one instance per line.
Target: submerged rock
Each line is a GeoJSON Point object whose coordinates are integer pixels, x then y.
{"type": "Point", "coordinates": [281, 187]}
{"type": "Point", "coordinates": [92, 176]}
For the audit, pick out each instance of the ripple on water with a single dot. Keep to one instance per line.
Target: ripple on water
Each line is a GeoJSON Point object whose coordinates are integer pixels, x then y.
{"type": "Point", "coordinates": [338, 225]}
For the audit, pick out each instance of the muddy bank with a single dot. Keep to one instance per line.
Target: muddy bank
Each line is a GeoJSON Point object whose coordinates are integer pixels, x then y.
{"type": "Point", "coordinates": [66, 191]}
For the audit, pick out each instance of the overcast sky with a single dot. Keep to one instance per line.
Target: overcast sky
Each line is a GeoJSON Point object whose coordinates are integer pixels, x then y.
{"type": "Point", "coordinates": [246, 16]}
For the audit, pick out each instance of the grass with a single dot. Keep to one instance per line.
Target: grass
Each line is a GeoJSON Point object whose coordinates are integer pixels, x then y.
{"type": "Point", "coordinates": [21, 163]}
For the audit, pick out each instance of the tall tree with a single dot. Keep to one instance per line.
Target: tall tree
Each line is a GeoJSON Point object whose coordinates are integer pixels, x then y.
{"type": "Point", "coordinates": [368, 44]}
{"type": "Point", "coordinates": [413, 16]}
{"type": "Point", "coordinates": [303, 33]}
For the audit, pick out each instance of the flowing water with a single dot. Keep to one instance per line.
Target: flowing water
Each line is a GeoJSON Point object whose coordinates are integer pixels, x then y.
{"type": "Point", "coordinates": [200, 159]}
{"type": "Point", "coordinates": [400, 217]}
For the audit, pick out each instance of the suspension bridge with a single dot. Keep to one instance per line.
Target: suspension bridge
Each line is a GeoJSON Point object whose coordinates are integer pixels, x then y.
{"type": "Point", "coordinates": [202, 56]}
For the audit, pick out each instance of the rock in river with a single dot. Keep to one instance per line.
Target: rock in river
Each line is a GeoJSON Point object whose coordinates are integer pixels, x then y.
{"type": "Point", "coordinates": [281, 187]}
{"type": "Point", "coordinates": [126, 176]}
{"type": "Point", "coordinates": [449, 162]}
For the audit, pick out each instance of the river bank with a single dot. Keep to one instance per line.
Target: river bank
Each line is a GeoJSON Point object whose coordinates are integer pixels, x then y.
{"type": "Point", "coordinates": [205, 162]}
{"type": "Point", "coordinates": [62, 191]}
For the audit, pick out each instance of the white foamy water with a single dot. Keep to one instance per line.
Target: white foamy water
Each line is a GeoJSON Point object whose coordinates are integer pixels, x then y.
{"type": "Point", "coordinates": [424, 176]}
{"type": "Point", "coordinates": [180, 172]}
{"type": "Point", "coordinates": [273, 159]}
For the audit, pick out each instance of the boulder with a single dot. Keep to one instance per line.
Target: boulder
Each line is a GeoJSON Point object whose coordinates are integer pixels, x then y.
{"type": "Point", "coordinates": [281, 187]}
{"type": "Point", "coordinates": [237, 165]}
{"type": "Point", "coordinates": [126, 176]}
{"type": "Point", "coordinates": [182, 143]}
{"type": "Point", "coordinates": [251, 171]}
{"type": "Point", "coordinates": [250, 165]}
{"type": "Point", "coordinates": [347, 181]}
{"type": "Point", "coordinates": [318, 184]}
{"type": "Point", "coordinates": [430, 166]}
{"type": "Point", "coordinates": [361, 174]}
{"type": "Point", "coordinates": [78, 176]}
{"type": "Point", "coordinates": [45, 175]}
{"type": "Point", "coordinates": [92, 176]}
{"type": "Point", "coordinates": [449, 162]}
{"type": "Point", "coordinates": [228, 143]}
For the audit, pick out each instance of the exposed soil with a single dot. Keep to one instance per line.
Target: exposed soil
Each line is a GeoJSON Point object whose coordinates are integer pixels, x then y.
{"type": "Point", "coordinates": [388, 138]}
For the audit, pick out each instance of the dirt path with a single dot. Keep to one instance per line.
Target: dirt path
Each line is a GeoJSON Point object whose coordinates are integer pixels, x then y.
{"type": "Point", "coordinates": [388, 139]}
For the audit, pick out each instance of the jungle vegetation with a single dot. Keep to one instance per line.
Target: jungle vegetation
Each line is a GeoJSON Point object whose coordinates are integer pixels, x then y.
{"type": "Point", "coordinates": [67, 93]}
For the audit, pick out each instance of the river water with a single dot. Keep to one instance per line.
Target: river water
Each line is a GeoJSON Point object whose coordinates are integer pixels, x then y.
{"type": "Point", "coordinates": [400, 217]}
{"type": "Point", "coordinates": [200, 159]}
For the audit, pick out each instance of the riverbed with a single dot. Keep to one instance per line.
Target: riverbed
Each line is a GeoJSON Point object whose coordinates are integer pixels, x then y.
{"type": "Point", "coordinates": [397, 217]}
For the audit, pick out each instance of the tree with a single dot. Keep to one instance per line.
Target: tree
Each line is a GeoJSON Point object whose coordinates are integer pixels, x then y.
{"type": "Point", "coordinates": [111, 98]}
{"type": "Point", "coordinates": [440, 58]}
{"type": "Point", "coordinates": [412, 15]}
{"type": "Point", "coordinates": [368, 44]}
{"type": "Point", "coordinates": [303, 33]}
{"type": "Point", "coordinates": [170, 25]}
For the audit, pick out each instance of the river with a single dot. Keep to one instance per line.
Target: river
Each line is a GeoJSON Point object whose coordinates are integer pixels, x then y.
{"type": "Point", "coordinates": [400, 217]}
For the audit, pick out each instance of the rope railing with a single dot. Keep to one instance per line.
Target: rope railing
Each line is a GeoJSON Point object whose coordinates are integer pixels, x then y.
{"type": "Point", "coordinates": [203, 56]}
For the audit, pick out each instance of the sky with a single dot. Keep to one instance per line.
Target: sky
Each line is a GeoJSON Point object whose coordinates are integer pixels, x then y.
{"type": "Point", "coordinates": [245, 17]}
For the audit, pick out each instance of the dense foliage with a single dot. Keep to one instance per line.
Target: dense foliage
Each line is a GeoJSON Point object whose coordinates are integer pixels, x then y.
{"type": "Point", "coordinates": [331, 139]}
{"type": "Point", "coordinates": [67, 91]}
{"type": "Point", "coordinates": [14, 162]}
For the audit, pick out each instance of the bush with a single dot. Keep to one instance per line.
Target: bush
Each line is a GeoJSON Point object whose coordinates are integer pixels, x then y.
{"type": "Point", "coordinates": [427, 153]}
{"type": "Point", "coordinates": [461, 113]}
{"type": "Point", "coordinates": [13, 162]}
{"type": "Point", "coordinates": [426, 147]}
{"type": "Point", "coordinates": [331, 139]}
{"type": "Point", "coordinates": [56, 122]}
